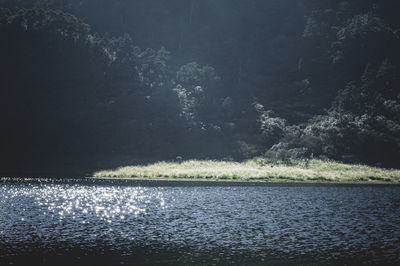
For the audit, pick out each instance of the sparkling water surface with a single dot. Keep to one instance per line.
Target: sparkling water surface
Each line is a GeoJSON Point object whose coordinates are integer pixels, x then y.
{"type": "Point", "coordinates": [73, 223]}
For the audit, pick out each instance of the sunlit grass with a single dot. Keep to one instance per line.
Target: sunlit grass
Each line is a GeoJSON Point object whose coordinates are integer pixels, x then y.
{"type": "Point", "coordinates": [256, 170]}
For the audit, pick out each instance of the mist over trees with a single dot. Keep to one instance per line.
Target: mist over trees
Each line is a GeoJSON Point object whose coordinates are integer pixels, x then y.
{"type": "Point", "coordinates": [111, 81]}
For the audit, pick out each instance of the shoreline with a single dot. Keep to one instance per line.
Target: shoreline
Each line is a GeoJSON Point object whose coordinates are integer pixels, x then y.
{"type": "Point", "coordinates": [181, 183]}
{"type": "Point", "coordinates": [255, 172]}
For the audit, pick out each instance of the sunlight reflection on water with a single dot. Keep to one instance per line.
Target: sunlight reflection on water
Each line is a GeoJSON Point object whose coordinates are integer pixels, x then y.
{"type": "Point", "coordinates": [259, 223]}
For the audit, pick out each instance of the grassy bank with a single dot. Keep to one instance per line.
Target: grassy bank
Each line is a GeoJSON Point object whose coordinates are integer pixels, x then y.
{"type": "Point", "coordinates": [257, 170]}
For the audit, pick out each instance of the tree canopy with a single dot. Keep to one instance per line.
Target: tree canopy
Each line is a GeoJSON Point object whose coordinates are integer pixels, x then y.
{"type": "Point", "coordinates": [218, 79]}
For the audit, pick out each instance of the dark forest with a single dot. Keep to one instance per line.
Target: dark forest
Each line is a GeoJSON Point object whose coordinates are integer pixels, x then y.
{"type": "Point", "coordinates": [98, 82]}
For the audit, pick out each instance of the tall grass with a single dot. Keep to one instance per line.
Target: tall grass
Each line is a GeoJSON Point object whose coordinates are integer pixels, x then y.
{"type": "Point", "coordinates": [256, 170]}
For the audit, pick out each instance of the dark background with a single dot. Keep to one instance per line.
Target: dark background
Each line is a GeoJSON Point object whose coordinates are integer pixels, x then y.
{"type": "Point", "coordinates": [224, 79]}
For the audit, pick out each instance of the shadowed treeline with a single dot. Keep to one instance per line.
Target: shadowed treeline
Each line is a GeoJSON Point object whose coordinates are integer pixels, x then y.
{"type": "Point", "coordinates": [223, 79]}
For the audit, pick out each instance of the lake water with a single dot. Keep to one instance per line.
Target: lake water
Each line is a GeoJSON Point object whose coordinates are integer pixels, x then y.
{"type": "Point", "coordinates": [79, 223]}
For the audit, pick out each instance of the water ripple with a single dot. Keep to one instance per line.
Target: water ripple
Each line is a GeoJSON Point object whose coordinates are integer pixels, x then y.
{"type": "Point", "coordinates": [202, 224]}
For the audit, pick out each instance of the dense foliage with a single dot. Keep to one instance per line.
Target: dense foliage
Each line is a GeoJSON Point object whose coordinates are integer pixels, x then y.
{"type": "Point", "coordinates": [223, 79]}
